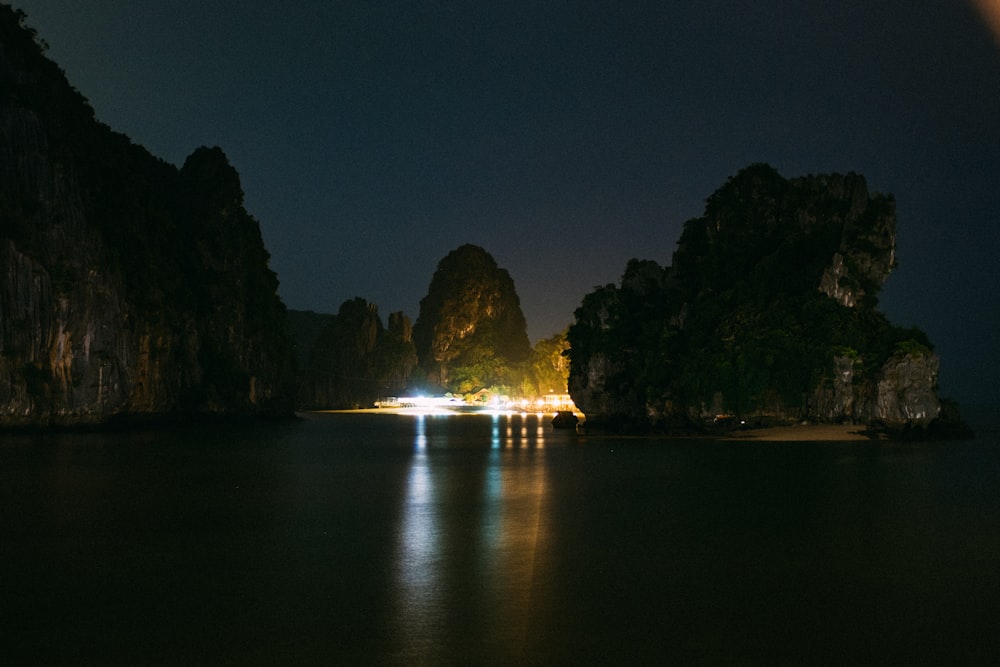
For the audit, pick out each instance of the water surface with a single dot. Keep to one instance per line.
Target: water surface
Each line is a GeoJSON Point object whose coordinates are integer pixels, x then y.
{"type": "Point", "coordinates": [479, 539]}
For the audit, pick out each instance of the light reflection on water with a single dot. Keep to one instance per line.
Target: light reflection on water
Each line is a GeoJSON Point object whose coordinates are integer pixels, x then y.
{"type": "Point", "coordinates": [419, 581]}
{"type": "Point", "coordinates": [493, 539]}
{"type": "Point", "coordinates": [506, 528]}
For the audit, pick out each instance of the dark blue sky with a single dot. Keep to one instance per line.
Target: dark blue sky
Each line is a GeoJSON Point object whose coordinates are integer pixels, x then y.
{"type": "Point", "coordinates": [564, 137]}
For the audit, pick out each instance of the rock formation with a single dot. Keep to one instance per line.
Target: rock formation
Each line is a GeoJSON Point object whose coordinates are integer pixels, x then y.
{"type": "Point", "coordinates": [767, 313]}
{"type": "Point", "coordinates": [128, 288]}
{"type": "Point", "coordinates": [355, 360]}
{"type": "Point", "coordinates": [470, 329]}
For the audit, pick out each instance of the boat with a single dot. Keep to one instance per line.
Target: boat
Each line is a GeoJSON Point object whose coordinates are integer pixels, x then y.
{"type": "Point", "coordinates": [565, 419]}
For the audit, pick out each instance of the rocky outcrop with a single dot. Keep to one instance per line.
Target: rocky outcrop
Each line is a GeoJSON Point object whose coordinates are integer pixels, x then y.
{"type": "Point", "coordinates": [902, 394]}
{"type": "Point", "coordinates": [866, 253]}
{"type": "Point", "coordinates": [355, 360]}
{"type": "Point", "coordinates": [836, 396]}
{"type": "Point", "coordinates": [470, 329]}
{"type": "Point", "coordinates": [767, 314]}
{"type": "Point", "coordinates": [907, 392]}
{"type": "Point", "coordinates": [128, 288]}
{"type": "Point", "coordinates": [591, 389]}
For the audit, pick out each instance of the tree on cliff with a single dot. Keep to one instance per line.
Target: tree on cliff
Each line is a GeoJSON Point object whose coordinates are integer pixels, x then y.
{"type": "Point", "coordinates": [549, 365]}
{"type": "Point", "coordinates": [767, 310]}
{"type": "Point", "coordinates": [470, 332]}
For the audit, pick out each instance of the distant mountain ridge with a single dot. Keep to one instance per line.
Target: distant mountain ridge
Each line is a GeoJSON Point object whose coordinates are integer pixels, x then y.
{"type": "Point", "coordinates": [470, 336]}
{"type": "Point", "coordinates": [129, 288]}
{"type": "Point", "coordinates": [351, 358]}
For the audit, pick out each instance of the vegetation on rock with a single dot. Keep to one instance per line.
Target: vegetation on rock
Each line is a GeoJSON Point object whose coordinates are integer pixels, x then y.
{"type": "Point", "coordinates": [549, 366]}
{"type": "Point", "coordinates": [769, 305]}
{"type": "Point", "coordinates": [470, 341]}
{"type": "Point", "coordinates": [132, 288]}
{"type": "Point", "coordinates": [470, 332]}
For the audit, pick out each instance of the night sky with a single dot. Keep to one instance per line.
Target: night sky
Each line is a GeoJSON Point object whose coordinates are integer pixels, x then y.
{"type": "Point", "coordinates": [372, 138]}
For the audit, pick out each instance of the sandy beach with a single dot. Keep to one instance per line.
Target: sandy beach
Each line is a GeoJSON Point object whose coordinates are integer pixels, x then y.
{"type": "Point", "coordinates": [806, 433]}
{"type": "Point", "coordinates": [793, 433]}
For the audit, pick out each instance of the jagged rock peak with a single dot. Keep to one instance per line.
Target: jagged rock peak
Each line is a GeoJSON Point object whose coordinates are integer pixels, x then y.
{"type": "Point", "coordinates": [842, 236]}
{"type": "Point", "coordinates": [768, 311]}
{"type": "Point", "coordinates": [470, 314]}
{"type": "Point", "coordinates": [132, 289]}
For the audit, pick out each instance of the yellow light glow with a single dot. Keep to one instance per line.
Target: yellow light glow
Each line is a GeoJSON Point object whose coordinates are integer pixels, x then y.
{"type": "Point", "coordinates": [990, 10]}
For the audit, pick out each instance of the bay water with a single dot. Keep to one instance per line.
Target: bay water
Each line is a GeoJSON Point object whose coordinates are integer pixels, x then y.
{"type": "Point", "coordinates": [494, 539]}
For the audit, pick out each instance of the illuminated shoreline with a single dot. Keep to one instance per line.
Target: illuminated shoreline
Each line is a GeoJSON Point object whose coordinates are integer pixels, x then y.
{"type": "Point", "coordinates": [793, 433]}
{"type": "Point", "coordinates": [434, 410]}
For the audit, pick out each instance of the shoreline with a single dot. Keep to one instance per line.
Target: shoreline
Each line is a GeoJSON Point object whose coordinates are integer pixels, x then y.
{"type": "Point", "coordinates": [789, 433]}
{"type": "Point", "coordinates": [809, 433]}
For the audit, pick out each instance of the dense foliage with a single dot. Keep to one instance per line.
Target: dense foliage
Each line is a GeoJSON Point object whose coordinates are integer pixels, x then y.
{"type": "Point", "coordinates": [471, 317]}
{"type": "Point", "coordinates": [549, 366]}
{"type": "Point", "coordinates": [470, 332]}
{"type": "Point", "coordinates": [738, 324]}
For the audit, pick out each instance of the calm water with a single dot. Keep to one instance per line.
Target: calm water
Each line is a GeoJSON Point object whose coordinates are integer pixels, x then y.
{"type": "Point", "coordinates": [377, 539]}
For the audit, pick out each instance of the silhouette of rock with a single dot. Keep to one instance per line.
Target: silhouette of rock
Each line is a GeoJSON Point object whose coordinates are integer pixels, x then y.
{"type": "Point", "coordinates": [470, 329]}
{"type": "Point", "coordinates": [129, 288]}
{"type": "Point", "coordinates": [768, 313]}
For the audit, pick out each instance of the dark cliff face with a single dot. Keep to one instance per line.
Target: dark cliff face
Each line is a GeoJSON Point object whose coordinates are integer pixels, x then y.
{"type": "Point", "coordinates": [470, 324]}
{"type": "Point", "coordinates": [355, 360]}
{"type": "Point", "coordinates": [129, 288]}
{"type": "Point", "coordinates": [767, 312]}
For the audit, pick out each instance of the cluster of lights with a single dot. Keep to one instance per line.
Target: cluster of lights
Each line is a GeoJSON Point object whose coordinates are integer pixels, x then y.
{"type": "Point", "coordinates": [496, 404]}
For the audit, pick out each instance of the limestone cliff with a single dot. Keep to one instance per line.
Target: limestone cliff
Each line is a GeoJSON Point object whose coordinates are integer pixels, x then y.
{"type": "Point", "coordinates": [128, 288]}
{"type": "Point", "coordinates": [470, 330]}
{"type": "Point", "coordinates": [355, 360]}
{"type": "Point", "coordinates": [767, 313]}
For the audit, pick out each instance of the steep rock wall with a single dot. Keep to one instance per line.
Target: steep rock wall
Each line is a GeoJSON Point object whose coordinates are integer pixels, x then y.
{"type": "Point", "coordinates": [767, 313]}
{"type": "Point", "coordinates": [903, 394]}
{"type": "Point", "coordinates": [469, 320]}
{"type": "Point", "coordinates": [128, 288]}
